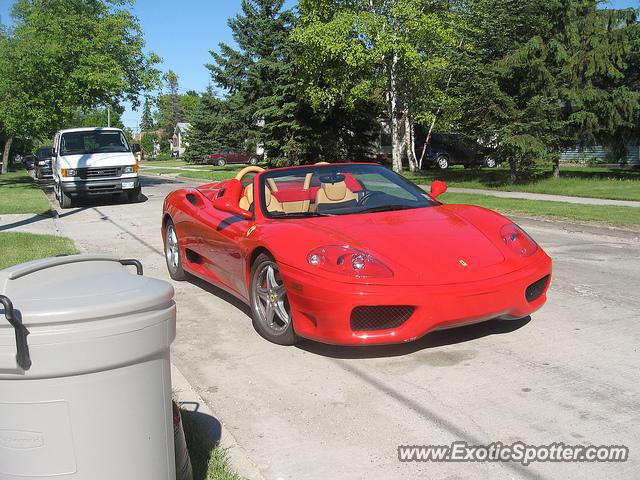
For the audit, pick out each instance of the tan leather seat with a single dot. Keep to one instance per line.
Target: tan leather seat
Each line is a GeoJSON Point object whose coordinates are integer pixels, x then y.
{"type": "Point", "coordinates": [273, 205]}
{"type": "Point", "coordinates": [335, 193]}
{"type": "Point", "coordinates": [247, 197]}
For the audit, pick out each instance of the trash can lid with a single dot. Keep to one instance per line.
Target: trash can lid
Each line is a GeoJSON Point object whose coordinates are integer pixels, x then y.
{"type": "Point", "coordinates": [78, 288]}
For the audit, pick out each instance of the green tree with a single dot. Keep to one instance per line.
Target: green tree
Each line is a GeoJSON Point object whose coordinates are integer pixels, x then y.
{"type": "Point", "coordinates": [146, 122]}
{"type": "Point", "coordinates": [536, 77]}
{"type": "Point", "coordinates": [170, 108]}
{"type": "Point", "coordinates": [257, 76]}
{"type": "Point", "coordinates": [395, 51]}
{"type": "Point", "coordinates": [61, 55]}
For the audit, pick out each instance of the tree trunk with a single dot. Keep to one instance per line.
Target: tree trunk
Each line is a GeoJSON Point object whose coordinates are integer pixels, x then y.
{"type": "Point", "coordinates": [513, 169]}
{"type": "Point", "coordinates": [5, 154]}
{"type": "Point", "coordinates": [410, 143]}
{"type": "Point", "coordinates": [556, 166]}
{"type": "Point", "coordinates": [396, 126]}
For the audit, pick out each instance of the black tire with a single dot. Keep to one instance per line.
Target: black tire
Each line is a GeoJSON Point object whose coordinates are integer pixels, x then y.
{"type": "Point", "coordinates": [277, 331]}
{"type": "Point", "coordinates": [134, 195]}
{"type": "Point", "coordinates": [442, 162]}
{"type": "Point", "coordinates": [252, 161]}
{"type": "Point", "coordinates": [64, 200]}
{"type": "Point", "coordinates": [173, 260]}
{"type": "Point", "coordinates": [221, 162]}
{"type": "Point", "coordinates": [38, 174]}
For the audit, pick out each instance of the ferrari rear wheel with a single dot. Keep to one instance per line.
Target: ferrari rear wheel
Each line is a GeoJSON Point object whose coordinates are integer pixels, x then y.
{"type": "Point", "coordinates": [269, 303]}
{"type": "Point", "coordinates": [172, 252]}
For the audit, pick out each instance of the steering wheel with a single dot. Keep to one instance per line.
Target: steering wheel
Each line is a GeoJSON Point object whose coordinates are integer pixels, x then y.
{"type": "Point", "coordinates": [250, 169]}
{"type": "Point", "coordinates": [367, 196]}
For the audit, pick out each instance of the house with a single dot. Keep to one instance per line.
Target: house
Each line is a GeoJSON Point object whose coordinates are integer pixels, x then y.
{"type": "Point", "coordinates": [600, 154]}
{"type": "Point", "coordinates": [178, 143]}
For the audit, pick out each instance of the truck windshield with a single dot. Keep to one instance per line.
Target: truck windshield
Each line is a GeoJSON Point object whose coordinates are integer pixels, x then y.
{"type": "Point", "coordinates": [93, 141]}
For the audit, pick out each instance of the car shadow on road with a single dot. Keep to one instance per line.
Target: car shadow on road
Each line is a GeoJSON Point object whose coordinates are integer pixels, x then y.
{"type": "Point", "coordinates": [220, 293]}
{"type": "Point", "coordinates": [431, 340]}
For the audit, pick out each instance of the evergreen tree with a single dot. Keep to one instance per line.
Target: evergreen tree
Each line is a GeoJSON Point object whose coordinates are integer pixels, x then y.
{"type": "Point", "coordinates": [173, 112]}
{"type": "Point", "coordinates": [536, 77]}
{"type": "Point", "coordinates": [213, 126]}
{"type": "Point", "coordinates": [146, 122]}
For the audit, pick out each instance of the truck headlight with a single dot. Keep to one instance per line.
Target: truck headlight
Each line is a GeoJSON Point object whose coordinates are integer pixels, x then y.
{"type": "Point", "coordinates": [131, 169]}
{"type": "Point", "coordinates": [68, 172]}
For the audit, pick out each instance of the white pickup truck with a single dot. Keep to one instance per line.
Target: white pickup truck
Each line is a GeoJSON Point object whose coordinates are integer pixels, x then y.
{"type": "Point", "coordinates": [93, 161]}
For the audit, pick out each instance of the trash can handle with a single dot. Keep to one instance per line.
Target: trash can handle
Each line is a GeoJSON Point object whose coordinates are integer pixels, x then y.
{"type": "Point", "coordinates": [132, 261]}
{"type": "Point", "coordinates": [23, 357]}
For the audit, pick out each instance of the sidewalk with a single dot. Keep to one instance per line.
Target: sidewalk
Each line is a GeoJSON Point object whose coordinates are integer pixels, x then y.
{"type": "Point", "coordinates": [29, 223]}
{"type": "Point", "coordinates": [544, 197]}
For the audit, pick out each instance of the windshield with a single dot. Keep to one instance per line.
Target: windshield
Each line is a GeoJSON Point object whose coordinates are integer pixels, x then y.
{"type": "Point", "coordinates": [328, 190]}
{"type": "Point", "coordinates": [43, 153]}
{"type": "Point", "coordinates": [93, 141]}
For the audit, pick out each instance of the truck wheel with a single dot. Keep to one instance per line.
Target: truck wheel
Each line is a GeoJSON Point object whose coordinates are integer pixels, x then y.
{"type": "Point", "coordinates": [64, 200]}
{"type": "Point", "coordinates": [443, 162]}
{"type": "Point", "coordinates": [134, 195]}
{"type": "Point", "coordinates": [221, 162]}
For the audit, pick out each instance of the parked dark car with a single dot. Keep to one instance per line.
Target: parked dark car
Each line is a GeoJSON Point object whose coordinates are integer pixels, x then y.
{"type": "Point", "coordinates": [447, 149]}
{"type": "Point", "coordinates": [42, 166]}
{"type": "Point", "coordinates": [231, 155]}
{"type": "Point", "coordinates": [29, 161]}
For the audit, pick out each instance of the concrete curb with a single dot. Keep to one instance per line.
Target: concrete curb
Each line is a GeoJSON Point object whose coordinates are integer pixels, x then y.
{"type": "Point", "coordinates": [238, 458]}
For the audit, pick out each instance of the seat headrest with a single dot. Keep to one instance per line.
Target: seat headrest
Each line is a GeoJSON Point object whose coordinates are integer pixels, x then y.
{"type": "Point", "coordinates": [248, 192]}
{"type": "Point", "coordinates": [335, 191]}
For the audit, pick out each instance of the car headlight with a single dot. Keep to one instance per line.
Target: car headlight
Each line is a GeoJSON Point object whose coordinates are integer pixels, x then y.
{"type": "Point", "coordinates": [68, 172]}
{"type": "Point", "coordinates": [346, 260]}
{"type": "Point", "coordinates": [131, 169]}
{"type": "Point", "coordinates": [518, 240]}
{"type": "Point", "coordinates": [42, 162]}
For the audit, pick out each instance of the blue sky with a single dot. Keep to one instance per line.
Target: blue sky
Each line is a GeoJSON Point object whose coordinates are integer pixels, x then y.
{"type": "Point", "coordinates": [183, 32]}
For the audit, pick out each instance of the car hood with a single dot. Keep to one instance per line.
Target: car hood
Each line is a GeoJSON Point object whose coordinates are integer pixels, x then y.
{"type": "Point", "coordinates": [98, 160]}
{"type": "Point", "coordinates": [432, 245]}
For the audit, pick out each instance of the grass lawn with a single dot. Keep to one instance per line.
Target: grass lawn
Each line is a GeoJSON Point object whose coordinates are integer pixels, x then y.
{"type": "Point", "coordinates": [209, 462]}
{"type": "Point", "coordinates": [19, 194]}
{"type": "Point", "coordinates": [594, 182]}
{"type": "Point", "coordinates": [211, 173]}
{"type": "Point", "coordinates": [612, 215]}
{"type": "Point", "coordinates": [19, 247]}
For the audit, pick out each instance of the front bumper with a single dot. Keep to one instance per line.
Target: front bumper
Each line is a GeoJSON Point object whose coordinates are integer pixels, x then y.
{"type": "Point", "coordinates": [80, 188]}
{"type": "Point", "coordinates": [322, 309]}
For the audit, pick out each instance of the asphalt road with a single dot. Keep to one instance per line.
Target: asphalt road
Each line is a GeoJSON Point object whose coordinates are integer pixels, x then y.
{"type": "Point", "coordinates": [569, 374]}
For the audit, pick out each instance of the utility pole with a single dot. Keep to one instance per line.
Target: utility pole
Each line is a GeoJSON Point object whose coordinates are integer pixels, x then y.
{"type": "Point", "coordinates": [108, 116]}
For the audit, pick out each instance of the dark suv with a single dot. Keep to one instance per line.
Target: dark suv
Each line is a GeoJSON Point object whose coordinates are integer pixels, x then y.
{"type": "Point", "coordinates": [42, 164]}
{"type": "Point", "coordinates": [231, 155]}
{"type": "Point", "coordinates": [455, 149]}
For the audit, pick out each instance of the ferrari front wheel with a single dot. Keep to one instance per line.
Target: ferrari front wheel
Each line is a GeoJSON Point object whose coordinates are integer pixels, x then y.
{"type": "Point", "coordinates": [269, 303]}
{"type": "Point", "coordinates": [172, 252]}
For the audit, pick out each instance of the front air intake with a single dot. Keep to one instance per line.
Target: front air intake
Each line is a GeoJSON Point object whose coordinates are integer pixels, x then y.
{"type": "Point", "coordinates": [536, 289]}
{"type": "Point", "coordinates": [380, 317]}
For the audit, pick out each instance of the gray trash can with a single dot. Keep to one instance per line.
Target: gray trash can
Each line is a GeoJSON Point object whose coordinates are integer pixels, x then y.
{"type": "Point", "coordinates": [85, 387]}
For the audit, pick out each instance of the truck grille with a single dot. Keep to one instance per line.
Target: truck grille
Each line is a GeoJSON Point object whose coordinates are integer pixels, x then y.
{"type": "Point", "coordinates": [97, 172]}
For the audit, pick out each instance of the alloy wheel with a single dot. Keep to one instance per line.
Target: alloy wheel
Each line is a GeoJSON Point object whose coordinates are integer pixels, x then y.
{"type": "Point", "coordinates": [270, 298]}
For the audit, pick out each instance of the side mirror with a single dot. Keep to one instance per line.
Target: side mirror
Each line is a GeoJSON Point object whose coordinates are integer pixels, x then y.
{"type": "Point", "coordinates": [226, 205]}
{"type": "Point", "coordinates": [135, 148]}
{"type": "Point", "coordinates": [53, 152]}
{"type": "Point", "coordinates": [438, 187]}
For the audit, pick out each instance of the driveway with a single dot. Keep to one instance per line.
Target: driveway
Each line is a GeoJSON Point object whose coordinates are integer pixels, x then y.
{"type": "Point", "coordinates": [569, 374]}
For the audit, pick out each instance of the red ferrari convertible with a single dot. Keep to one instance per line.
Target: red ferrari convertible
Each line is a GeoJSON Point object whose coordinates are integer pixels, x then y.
{"type": "Point", "coordinates": [351, 254]}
